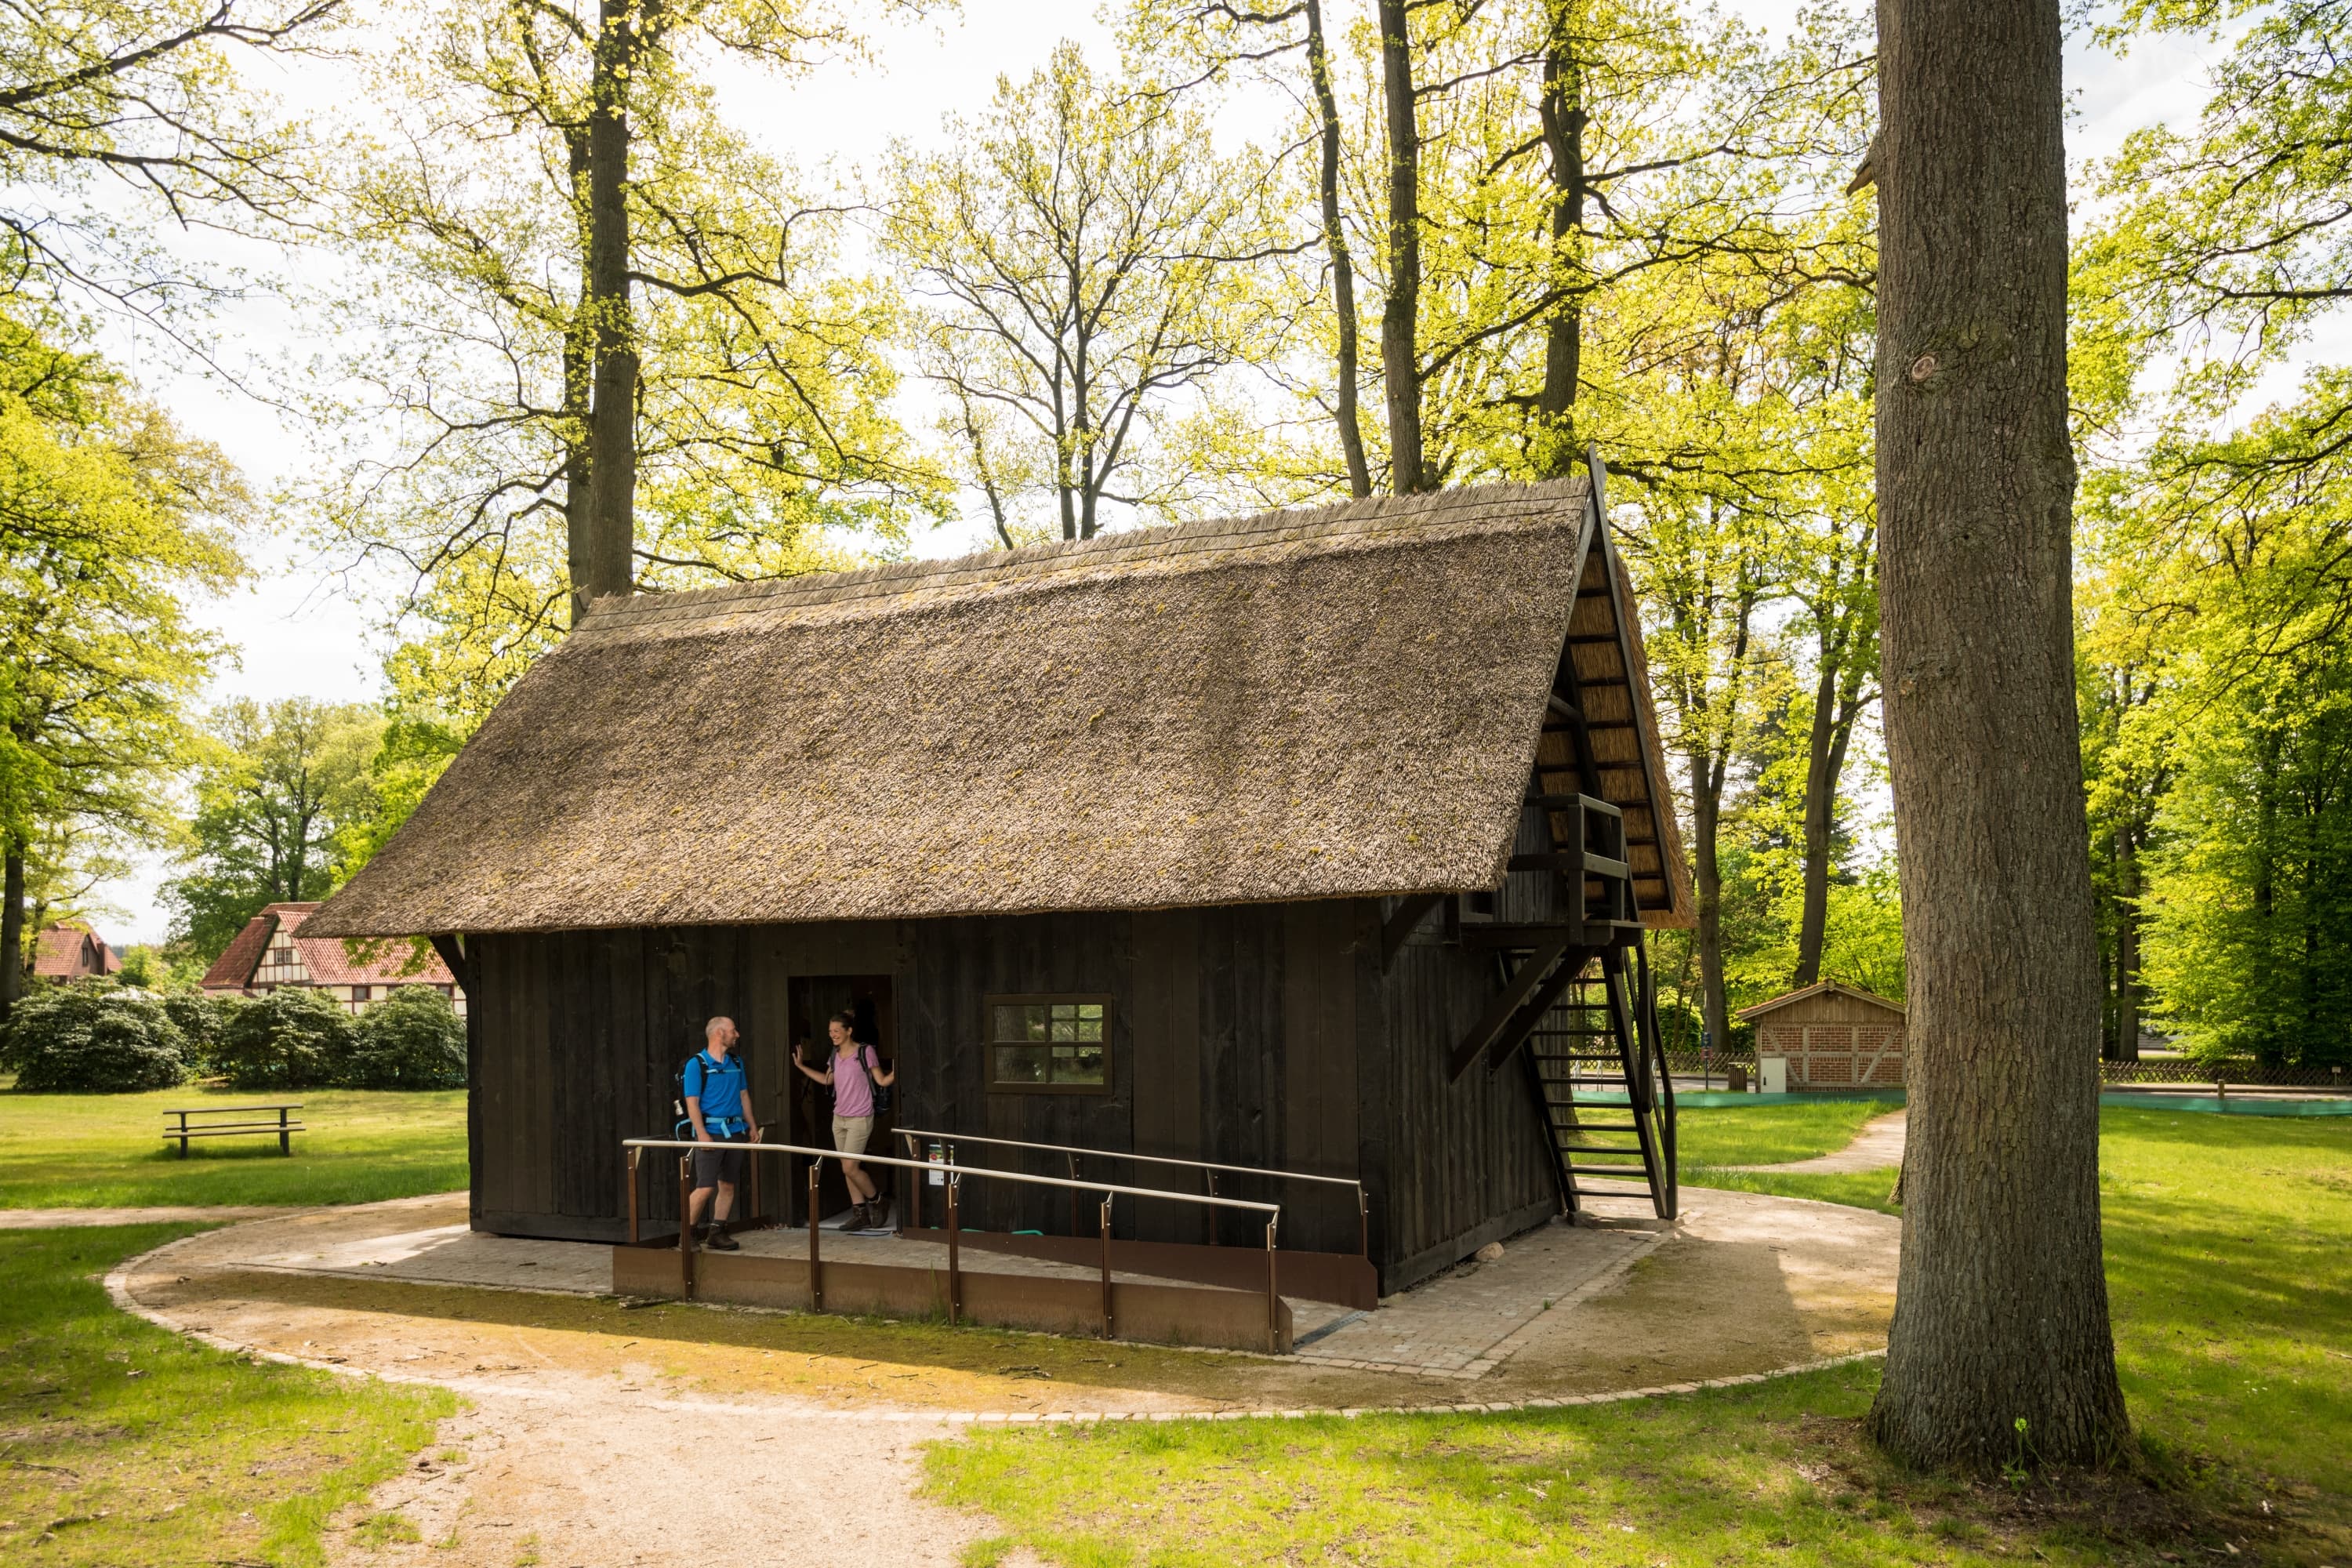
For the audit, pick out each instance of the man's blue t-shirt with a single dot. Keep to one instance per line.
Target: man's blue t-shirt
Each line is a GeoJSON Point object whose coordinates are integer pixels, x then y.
{"type": "Point", "coordinates": [719, 1084]}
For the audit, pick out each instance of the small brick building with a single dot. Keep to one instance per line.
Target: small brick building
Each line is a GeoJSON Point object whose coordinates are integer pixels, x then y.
{"type": "Point", "coordinates": [1831, 1036]}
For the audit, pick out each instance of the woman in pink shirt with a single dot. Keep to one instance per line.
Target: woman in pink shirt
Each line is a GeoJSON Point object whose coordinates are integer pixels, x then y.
{"type": "Point", "coordinates": [853, 1074]}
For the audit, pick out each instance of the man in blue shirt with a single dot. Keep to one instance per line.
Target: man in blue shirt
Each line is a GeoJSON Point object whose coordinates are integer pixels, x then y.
{"type": "Point", "coordinates": [719, 1101]}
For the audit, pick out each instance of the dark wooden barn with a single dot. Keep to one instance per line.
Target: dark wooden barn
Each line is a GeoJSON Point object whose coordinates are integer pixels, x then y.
{"type": "Point", "coordinates": [1320, 840]}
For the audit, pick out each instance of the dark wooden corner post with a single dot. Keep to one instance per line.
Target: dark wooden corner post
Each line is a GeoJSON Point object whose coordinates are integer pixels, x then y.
{"type": "Point", "coordinates": [458, 955]}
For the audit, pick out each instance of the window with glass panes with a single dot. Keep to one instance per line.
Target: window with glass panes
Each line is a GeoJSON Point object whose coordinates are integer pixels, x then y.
{"type": "Point", "coordinates": [1049, 1044]}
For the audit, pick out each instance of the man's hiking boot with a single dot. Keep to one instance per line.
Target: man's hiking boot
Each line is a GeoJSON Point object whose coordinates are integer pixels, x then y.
{"type": "Point", "coordinates": [718, 1240]}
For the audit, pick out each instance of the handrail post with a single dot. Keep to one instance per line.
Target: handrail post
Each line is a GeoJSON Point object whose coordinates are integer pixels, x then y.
{"type": "Point", "coordinates": [955, 1271]}
{"type": "Point", "coordinates": [637, 1160]}
{"type": "Point", "coordinates": [685, 1226]}
{"type": "Point", "coordinates": [1363, 1222]}
{"type": "Point", "coordinates": [1210, 1215]}
{"type": "Point", "coordinates": [1073, 1161]}
{"type": "Point", "coordinates": [816, 1259]}
{"type": "Point", "coordinates": [1103, 1226]}
{"type": "Point", "coordinates": [1273, 1296]}
{"type": "Point", "coordinates": [914, 1198]}
{"type": "Point", "coordinates": [752, 1168]}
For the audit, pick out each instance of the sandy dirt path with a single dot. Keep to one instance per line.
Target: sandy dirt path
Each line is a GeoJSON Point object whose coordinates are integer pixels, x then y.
{"type": "Point", "coordinates": [1877, 1147]}
{"type": "Point", "coordinates": [598, 1430]}
{"type": "Point", "coordinates": [177, 1214]}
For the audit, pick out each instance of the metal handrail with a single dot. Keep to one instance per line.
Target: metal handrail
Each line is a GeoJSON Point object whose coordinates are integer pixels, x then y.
{"type": "Point", "coordinates": [1272, 1210]}
{"type": "Point", "coordinates": [1122, 1154]}
{"type": "Point", "coordinates": [954, 1175]}
{"type": "Point", "coordinates": [1072, 1153]}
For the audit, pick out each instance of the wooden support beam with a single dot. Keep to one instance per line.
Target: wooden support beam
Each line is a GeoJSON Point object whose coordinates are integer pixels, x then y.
{"type": "Point", "coordinates": [452, 948]}
{"type": "Point", "coordinates": [1514, 1033]}
{"type": "Point", "coordinates": [1404, 921]}
{"type": "Point", "coordinates": [1515, 991]}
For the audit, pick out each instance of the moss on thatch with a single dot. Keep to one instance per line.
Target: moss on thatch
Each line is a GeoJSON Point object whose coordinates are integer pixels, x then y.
{"type": "Point", "coordinates": [1307, 704]}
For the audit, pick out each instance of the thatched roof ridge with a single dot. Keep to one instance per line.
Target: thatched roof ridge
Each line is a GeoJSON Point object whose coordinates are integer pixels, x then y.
{"type": "Point", "coordinates": [1341, 701]}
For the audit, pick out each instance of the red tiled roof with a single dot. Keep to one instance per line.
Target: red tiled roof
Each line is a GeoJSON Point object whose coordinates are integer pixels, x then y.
{"type": "Point", "coordinates": [325, 958]}
{"type": "Point", "coordinates": [233, 970]}
{"type": "Point", "coordinates": [70, 952]}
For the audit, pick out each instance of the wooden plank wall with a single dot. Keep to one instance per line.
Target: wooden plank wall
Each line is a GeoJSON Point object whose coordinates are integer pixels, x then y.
{"type": "Point", "coordinates": [1234, 1037]}
{"type": "Point", "coordinates": [1464, 1163]}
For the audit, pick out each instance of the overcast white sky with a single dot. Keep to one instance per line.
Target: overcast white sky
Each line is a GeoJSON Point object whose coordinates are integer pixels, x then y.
{"type": "Point", "coordinates": [302, 629]}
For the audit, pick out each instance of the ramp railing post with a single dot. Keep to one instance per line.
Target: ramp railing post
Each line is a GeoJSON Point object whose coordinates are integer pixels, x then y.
{"type": "Point", "coordinates": [1209, 1216]}
{"type": "Point", "coordinates": [1073, 1160]}
{"type": "Point", "coordinates": [955, 1271]}
{"type": "Point", "coordinates": [685, 1224]}
{"type": "Point", "coordinates": [1363, 1222]}
{"type": "Point", "coordinates": [1103, 1222]}
{"type": "Point", "coordinates": [816, 1261]}
{"type": "Point", "coordinates": [1273, 1296]}
{"type": "Point", "coordinates": [636, 1159]}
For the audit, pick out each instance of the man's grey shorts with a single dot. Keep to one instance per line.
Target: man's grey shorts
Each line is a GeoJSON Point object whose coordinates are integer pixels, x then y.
{"type": "Point", "coordinates": [712, 1165]}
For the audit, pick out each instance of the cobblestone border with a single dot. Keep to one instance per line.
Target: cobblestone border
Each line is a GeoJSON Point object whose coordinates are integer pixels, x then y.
{"type": "Point", "coordinates": [118, 1291]}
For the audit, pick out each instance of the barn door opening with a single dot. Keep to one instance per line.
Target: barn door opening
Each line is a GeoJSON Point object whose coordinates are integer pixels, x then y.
{"type": "Point", "coordinates": [808, 1107]}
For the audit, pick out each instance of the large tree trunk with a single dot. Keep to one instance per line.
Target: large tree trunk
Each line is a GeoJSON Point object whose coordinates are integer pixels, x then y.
{"type": "Point", "coordinates": [579, 411]}
{"type": "Point", "coordinates": [1401, 313]}
{"type": "Point", "coordinates": [2001, 1314]}
{"type": "Point", "coordinates": [1837, 697]}
{"type": "Point", "coordinates": [1707, 877]}
{"type": "Point", "coordinates": [11, 931]}
{"type": "Point", "coordinates": [613, 426]}
{"type": "Point", "coordinates": [1335, 239]}
{"type": "Point", "coordinates": [1561, 106]}
{"type": "Point", "coordinates": [2127, 1044]}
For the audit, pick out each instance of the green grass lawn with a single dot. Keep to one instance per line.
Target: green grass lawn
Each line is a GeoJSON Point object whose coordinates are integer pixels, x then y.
{"type": "Point", "coordinates": [124, 1445]}
{"type": "Point", "coordinates": [2231, 1281]}
{"type": "Point", "coordinates": [1768, 1134]}
{"type": "Point", "coordinates": [100, 1151]}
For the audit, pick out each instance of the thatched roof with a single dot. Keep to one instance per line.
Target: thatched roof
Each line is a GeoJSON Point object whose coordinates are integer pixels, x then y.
{"type": "Point", "coordinates": [1341, 702]}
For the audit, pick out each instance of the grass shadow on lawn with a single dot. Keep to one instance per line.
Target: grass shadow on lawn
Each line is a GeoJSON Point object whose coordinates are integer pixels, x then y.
{"type": "Point", "coordinates": [125, 1445]}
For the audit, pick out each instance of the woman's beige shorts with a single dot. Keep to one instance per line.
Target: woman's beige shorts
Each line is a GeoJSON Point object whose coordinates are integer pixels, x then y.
{"type": "Point", "coordinates": [850, 1133]}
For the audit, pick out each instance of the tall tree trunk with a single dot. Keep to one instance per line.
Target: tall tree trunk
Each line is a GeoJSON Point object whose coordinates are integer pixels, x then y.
{"type": "Point", "coordinates": [2001, 1314]}
{"type": "Point", "coordinates": [1563, 113]}
{"type": "Point", "coordinates": [579, 411]}
{"type": "Point", "coordinates": [12, 931]}
{"type": "Point", "coordinates": [1401, 313]}
{"type": "Point", "coordinates": [1837, 700]}
{"type": "Point", "coordinates": [613, 426]}
{"type": "Point", "coordinates": [1707, 876]}
{"type": "Point", "coordinates": [1335, 239]}
{"type": "Point", "coordinates": [2127, 945]}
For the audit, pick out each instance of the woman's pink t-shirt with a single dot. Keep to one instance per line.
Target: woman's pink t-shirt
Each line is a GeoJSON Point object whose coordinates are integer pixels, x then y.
{"type": "Point", "coordinates": [852, 1090]}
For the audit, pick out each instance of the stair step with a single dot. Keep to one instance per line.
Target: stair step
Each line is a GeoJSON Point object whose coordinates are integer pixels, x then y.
{"type": "Point", "coordinates": [1639, 1172]}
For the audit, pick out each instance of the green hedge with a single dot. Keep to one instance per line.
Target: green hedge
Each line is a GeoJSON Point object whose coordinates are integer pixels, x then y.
{"type": "Point", "coordinates": [291, 1039]}
{"type": "Point", "coordinates": [87, 1040]}
{"type": "Point", "coordinates": [413, 1039]}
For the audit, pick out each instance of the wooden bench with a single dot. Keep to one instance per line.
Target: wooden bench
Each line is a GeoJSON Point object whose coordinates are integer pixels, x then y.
{"type": "Point", "coordinates": [284, 1126]}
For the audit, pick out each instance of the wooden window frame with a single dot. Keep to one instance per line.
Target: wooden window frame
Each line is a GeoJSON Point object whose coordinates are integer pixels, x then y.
{"type": "Point", "coordinates": [989, 1043]}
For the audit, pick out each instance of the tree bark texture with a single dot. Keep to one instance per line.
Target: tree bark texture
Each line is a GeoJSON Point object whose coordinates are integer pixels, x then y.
{"type": "Point", "coordinates": [1401, 312]}
{"type": "Point", "coordinates": [1707, 775]}
{"type": "Point", "coordinates": [1564, 118]}
{"type": "Point", "coordinates": [1837, 703]}
{"type": "Point", "coordinates": [1343, 267]}
{"type": "Point", "coordinates": [579, 409]}
{"type": "Point", "coordinates": [612, 424]}
{"type": "Point", "coordinates": [11, 931]}
{"type": "Point", "coordinates": [2002, 1306]}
